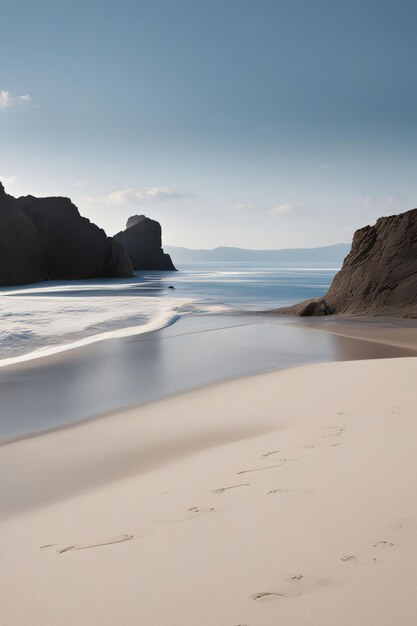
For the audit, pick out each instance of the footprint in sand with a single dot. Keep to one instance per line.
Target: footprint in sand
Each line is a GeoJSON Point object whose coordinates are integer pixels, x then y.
{"type": "Point", "coordinates": [260, 469]}
{"type": "Point", "coordinates": [273, 491]}
{"type": "Point", "coordinates": [201, 511]}
{"type": "Point", "coordinates": [269, 453]}
{"type": "Point", "coordinates": [223, 489]}
{"type": "Point", "coordinates": [195, 512]}
{"type": "Point", "coordinates": [120, 539]}
{"type": "Point", "coordinates": [295, 586]}
{"type": "Point", "coordinates": [266, 595]}
{"type": "Point", "coordinates": [196, 509]}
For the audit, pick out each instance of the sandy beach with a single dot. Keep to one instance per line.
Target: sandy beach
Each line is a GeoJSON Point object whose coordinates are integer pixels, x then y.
{"type": "Point", "coordinates": [283, 498]}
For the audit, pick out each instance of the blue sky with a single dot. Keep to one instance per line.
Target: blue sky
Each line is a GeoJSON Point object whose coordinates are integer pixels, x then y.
{"type": "Point", "coordinates": [264, 124]}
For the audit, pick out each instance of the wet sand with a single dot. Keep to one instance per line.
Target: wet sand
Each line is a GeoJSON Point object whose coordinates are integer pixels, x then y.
{"type": "Point", "coordinates": [194, 352]}
{"type": "Point", "coordinates": [390, 331]}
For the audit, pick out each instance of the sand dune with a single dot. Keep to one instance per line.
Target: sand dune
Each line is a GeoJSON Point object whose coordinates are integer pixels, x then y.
{"type": "Point", "coordinates": [285, 498]}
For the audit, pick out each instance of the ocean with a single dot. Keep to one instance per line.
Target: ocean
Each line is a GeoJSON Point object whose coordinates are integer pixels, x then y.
{"type": "Point", "coordinates": [53, 316]}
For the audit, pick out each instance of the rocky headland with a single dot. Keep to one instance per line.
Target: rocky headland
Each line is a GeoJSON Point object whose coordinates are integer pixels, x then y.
{"type": "Point", "coordinates": [47, 239]}
{"type": "Point", "coordinates": [379, 275]}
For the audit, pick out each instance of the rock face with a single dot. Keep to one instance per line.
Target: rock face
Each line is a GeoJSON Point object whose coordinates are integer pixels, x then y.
{"type": "Point", "coordinates": [47, 239]}
{"type": "Point", "coordinates": [379, 275]}
{"type": "Point", "coordinates": [143, 241]}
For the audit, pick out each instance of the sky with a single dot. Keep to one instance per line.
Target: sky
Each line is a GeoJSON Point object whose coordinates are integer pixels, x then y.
{"type": "Point", "coordinates": [252, 123]}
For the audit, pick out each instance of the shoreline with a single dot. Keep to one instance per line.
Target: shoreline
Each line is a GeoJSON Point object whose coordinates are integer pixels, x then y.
{"type": "Point", "coordinates": [390, 331]}
{"type": "Point", "coordinates": [80, 384]}
{"type": "Point", "coordinates": [352, 327]}
{"type": "Point", "coordinates": [186, 483]}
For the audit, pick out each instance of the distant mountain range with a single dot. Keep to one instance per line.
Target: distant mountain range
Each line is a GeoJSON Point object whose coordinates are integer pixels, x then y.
{"type": "Point", "coordinates": [326, 254]}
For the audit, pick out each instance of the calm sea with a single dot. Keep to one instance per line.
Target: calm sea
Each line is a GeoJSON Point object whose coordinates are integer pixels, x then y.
{"type": "Point", "coordinates": [59, 314]}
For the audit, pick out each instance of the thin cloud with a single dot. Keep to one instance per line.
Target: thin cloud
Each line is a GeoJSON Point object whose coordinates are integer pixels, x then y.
{"type": "Point", "coordinates": [8, 100]}
{"type": "Point", "coordinates": [123, 197]}
{"type": "Point", "coordinates": [285, 208]}
{"type": "Point", "coordinates": [381, 204]}
{"type": "Point", "coordinates": [367, 201]}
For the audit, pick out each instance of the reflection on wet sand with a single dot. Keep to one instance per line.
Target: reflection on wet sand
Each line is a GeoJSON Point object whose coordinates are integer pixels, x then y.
{"type": "Point", "coordinates": [195, 351]}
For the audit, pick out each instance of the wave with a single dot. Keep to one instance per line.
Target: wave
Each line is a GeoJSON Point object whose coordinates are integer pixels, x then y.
{"type": "Point", "coordinates": [30, 329]}
{"type": "Point", "coordinates": [155, 324]}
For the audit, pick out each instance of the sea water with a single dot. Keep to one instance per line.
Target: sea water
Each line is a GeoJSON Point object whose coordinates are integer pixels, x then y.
{"type": "Point", "coordinates": [48, 317]}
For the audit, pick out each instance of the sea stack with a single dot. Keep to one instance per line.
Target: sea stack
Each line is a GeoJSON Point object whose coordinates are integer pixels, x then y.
{"type": "Point", "coordinates": [379, 275]}
{"type": "Point", "coordinates": [142, 240]}
{"type": "Point", "coordinates": [48, 239]}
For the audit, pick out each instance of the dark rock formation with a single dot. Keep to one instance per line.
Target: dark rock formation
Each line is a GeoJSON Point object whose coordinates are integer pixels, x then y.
{"type": "Point", "coordinates": [143, 242]}
{"type": "Point", "coordinates": [379, 275]}
{"type": "Point", "coordinates": [47, 239]}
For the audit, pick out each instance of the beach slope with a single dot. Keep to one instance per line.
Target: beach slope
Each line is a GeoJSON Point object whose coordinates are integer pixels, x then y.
{"type": "Point", "coordinates": [284, 498]}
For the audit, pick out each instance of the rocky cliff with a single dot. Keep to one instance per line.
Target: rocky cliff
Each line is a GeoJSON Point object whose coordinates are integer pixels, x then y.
{"type": "Point", "coordinates": [379, 275]}
{"type": "Point", "coordinates": [143, 241]}
{"type": "Point", "coordinates": [47, 239]}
